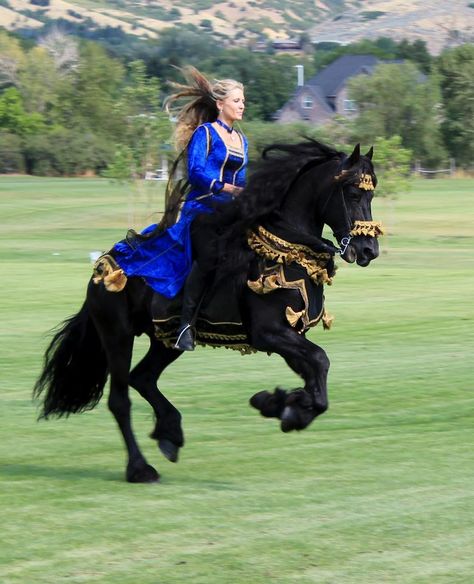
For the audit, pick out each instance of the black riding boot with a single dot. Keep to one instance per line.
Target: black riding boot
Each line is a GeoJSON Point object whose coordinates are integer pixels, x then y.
{"type": "Point", "coordinates": [193, 292]}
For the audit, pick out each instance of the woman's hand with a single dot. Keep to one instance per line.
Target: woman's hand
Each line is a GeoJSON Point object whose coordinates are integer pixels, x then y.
{"type": "Point", "coordinates": [232, 189]}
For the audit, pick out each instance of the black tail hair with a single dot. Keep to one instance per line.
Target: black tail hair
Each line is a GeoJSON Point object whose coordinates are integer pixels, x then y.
{"type": "Point", "coordinates": [75, 368]}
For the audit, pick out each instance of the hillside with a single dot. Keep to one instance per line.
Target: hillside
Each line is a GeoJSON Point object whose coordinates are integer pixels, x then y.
{"type": "Point", "coordinates": [238, 21]}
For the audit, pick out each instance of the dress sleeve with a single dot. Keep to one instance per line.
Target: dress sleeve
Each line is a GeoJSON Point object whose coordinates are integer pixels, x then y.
{"type": "Point", "coordinates": [198, 175]}
{"type": "Point", "coordinates": [241, 178]}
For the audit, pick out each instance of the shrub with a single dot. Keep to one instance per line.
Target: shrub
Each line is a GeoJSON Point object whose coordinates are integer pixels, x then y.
{"type": "Point", "coordinates": [11, 155]}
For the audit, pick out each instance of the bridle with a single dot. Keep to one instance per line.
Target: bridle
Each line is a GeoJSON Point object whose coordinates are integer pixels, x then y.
{"type": "Point", "coordinates": [353, 228]}
{"type": "Point", "coordinates": [367, 228]}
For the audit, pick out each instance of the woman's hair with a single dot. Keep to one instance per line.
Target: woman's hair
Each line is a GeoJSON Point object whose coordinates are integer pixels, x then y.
{"type": "Point", "coordinates": [200, 97]}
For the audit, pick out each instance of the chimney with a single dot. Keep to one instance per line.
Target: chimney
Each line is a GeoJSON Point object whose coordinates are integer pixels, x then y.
{"type": "Point", "coordinates": [300, 73]}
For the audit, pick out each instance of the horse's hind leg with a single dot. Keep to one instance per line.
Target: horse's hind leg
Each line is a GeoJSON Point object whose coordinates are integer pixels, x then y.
{"type": "Point", "coordinates": [119, 353]}
{"type": "Point", "coordinates": [143, 378]}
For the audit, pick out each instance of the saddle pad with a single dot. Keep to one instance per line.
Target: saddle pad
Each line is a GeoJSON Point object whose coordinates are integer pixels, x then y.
{"type": "Point", "coordinates": [219, 323]}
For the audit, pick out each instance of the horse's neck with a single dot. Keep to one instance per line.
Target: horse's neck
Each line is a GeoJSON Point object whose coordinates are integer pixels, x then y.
{"type": "Point", "coordinates": [299, 210]}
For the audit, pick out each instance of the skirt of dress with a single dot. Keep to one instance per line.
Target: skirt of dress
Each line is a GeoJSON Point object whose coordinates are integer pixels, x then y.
{"type": "Point", "coordinates": [163, 261]}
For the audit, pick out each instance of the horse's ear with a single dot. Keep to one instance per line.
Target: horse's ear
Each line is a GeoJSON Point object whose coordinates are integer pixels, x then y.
{"type": "Point", "coordinates": [354, 157]}
{"type": "Point", "coordinates": [370, 153]}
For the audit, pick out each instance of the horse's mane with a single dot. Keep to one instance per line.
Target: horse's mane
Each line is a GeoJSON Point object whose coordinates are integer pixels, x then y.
{"type": "Point", "coordinates": [272, 178]}
{"type": "Point", "coordinates": [267, 187]}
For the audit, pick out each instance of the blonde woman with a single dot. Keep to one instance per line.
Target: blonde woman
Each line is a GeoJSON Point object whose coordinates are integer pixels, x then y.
{"type": "Point", "coordinates": [216, 154]}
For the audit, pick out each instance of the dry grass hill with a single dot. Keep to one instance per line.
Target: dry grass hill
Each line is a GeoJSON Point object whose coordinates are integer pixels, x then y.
{"type": "Point", "coordinates": [238, 21]}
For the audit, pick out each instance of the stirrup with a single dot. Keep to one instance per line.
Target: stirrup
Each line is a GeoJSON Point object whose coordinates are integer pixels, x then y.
{"type": "Point", "coordinates": [185, 340]}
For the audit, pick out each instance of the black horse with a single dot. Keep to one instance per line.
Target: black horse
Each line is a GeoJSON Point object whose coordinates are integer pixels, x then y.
{"type": "Point", "coordinates": [276, 228]}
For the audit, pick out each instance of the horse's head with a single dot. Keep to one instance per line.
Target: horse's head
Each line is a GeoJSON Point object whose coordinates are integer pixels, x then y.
{"type": "Point", "coordinates": [347, 208]}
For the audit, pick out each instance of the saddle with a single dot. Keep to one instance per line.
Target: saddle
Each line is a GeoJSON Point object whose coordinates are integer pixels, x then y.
{"type": "Point", "coordinates": [278, 265]}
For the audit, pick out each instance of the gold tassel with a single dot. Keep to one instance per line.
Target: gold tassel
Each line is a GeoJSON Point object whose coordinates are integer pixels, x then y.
{"type": "Point", "coordinates": [327, 319]}
{"type": "Point", "coordinates": [265, 284]}
{"type": "Point", "coordinates": [116, 281]}
{"type": "Point", "coordinates": [292, 316]}
{"type": "Point", "coordinates": [107, 270]}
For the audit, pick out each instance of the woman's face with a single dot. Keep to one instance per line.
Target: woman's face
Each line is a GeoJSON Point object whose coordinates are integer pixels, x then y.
{"type": "Point", "coordinates": [232, 107]}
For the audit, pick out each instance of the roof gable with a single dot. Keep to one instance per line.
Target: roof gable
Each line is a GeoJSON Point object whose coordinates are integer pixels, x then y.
{"type": "Point", "coordinates": [332, 77]}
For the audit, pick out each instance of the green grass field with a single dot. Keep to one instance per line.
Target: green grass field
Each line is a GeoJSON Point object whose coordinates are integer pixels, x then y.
{"type": "Point", "coordinates": [378, 490]}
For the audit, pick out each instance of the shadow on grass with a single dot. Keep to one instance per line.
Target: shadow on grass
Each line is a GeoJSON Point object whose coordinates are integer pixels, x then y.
{"type": "Point", "coordinates": [31, 471]}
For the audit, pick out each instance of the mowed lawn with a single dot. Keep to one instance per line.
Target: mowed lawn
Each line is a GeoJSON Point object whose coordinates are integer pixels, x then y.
{"type": "Point", "coordinates": [378, 490]}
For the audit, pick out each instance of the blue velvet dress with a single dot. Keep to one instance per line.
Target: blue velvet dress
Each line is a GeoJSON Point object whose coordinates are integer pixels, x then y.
{"type": "Point", "coordinates": [165, 261]}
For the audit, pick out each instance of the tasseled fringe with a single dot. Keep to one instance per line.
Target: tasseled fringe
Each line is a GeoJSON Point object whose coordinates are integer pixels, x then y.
{"type": "Point", "coordinates": [107, 270]}
{"type": "Point", "coordinates": [273, 248]}
{"type": "Point", "coordinates": [327, 320]}
{"type": "Point", "coordinates": [369, 228]}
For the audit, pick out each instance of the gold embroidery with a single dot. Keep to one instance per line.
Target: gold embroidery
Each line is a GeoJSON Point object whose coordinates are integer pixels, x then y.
{"type": "Point", "coordinates": [275, 280]}
{"type": "Point", "coordinates": [274, 248]}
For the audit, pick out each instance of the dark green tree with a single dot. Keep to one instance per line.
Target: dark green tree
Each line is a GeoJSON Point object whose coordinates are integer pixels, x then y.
{"type": "Point", "coordinates": [456, 68]}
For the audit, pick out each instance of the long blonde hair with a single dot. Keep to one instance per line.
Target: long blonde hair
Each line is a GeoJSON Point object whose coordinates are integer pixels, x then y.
{"type": "Point", "coordinates": [200, 96]}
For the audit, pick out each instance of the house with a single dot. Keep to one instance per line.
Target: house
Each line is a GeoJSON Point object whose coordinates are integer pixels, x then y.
{"type": "Point", "coordinates": [325, 94]}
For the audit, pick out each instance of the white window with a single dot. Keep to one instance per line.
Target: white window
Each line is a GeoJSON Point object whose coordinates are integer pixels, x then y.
{"type": "Point", "coordinates": [307, 102]}
{"type": "Point", "coordinates": [350, 105]}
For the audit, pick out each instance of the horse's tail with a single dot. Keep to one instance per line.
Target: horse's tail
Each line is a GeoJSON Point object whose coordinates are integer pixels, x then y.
{"type": "Point", "coordinates": [75, 368]}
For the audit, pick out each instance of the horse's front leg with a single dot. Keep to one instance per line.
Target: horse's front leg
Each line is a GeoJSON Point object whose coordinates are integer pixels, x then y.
{"type": "Point", "coordinates": [298, 408]}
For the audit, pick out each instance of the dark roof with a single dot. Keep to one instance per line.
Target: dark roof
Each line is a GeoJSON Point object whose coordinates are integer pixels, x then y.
{"type": "Point", "coordinates": [296, 102]}
{"type": "Point", "coordinates": [332, 77]}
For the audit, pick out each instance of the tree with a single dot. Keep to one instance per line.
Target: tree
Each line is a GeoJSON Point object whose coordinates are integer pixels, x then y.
{"type": "Point", "coordinates": [392, 164]}
{"type": "Point", "coordinates": [456, 68]}
{"type": "Point", "coordinates": [145, 138]}
{"type": "Point", "coordinates": [88, 98]}
{"type": "Point", "coordinates": [38, 80]}
{"type": "Point", "coordinates": [63, 49]}
{"type": "Point", "coordinates": [399, 100]}
{"type": "Point", "coordinates": [11, 153]}
{"type": "Point", "coordinates": [15, 118]}
{"type": "Point", "coordinates": [416, 52]}
{"type": "Point", "coordinates": [11, 58]}
{"type": "Point", "coordinates": [147, 128]}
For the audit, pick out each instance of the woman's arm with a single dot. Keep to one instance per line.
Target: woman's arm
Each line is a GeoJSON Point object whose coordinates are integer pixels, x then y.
{"type": "Point", "coordinates": [198, 150]}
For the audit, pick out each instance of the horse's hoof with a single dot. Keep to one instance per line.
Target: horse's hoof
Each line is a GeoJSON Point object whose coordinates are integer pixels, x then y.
{"type": "Point", "coordinates": [291, 420]}
{"type": "Point", "coordinates": [258, 399]}
{"type": "Point", "coordinates": [270, 405]}
{"type": "Point", "coordinates": [168, 449]}
{"type": "Point", "coordinates": [142, 474]}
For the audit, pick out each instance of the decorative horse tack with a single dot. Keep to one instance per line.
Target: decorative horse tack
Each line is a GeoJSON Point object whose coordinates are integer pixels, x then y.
{"type": "Point", "coordinates": [368, 228]}
{"type": "Point", "coordinates": [272, 247]}
{"type": "Point", "coordinates": [108, 271]}
{"type": "Point", "coordinates": [366, 183]}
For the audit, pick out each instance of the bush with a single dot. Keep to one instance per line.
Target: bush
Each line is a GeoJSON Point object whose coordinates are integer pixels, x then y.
{"type": "Point", "coordinates": [64, 152]}
{"type": "Point", "coordinates": [11, 155]}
